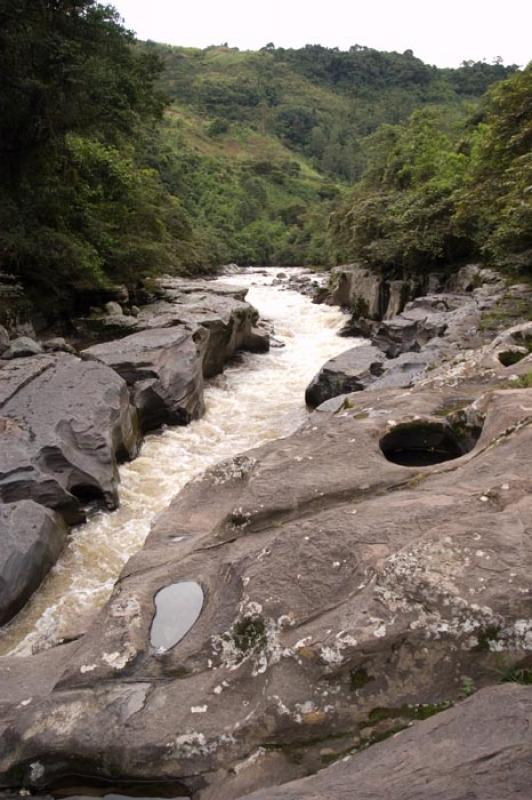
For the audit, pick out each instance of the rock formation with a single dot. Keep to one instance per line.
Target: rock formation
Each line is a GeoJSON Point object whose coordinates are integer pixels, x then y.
{"type": "Point", "coordinates": [67, 421]}
{"type": "Point", "coordinates": [32, 538]}
{"type": "Point", "coordinates": [482, 748]}
{"type": "Point", "coordinates": [431, 329]}
{"type": "Point", "coordinates": [163, 368]}
{"type": "Point", "coordinates": [348, 581]}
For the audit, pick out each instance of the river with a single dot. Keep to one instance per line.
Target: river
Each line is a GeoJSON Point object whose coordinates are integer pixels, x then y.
{"type": "Point", "coordinates": [257, 399]}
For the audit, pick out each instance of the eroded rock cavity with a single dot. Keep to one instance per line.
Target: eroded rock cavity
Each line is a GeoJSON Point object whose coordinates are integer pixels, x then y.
{"type": "Point", "coordinates": [422, 443]}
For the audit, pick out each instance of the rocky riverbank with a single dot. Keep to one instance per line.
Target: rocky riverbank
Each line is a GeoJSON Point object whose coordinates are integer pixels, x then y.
{"type": "Point", "coordinates": [68, 417]}
{"type": "Point", "coordinates": [369, 571]}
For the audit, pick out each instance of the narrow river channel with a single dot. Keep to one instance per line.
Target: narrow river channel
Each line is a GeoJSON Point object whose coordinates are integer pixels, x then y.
{"type": "Point", "coordinates": [257, 399]}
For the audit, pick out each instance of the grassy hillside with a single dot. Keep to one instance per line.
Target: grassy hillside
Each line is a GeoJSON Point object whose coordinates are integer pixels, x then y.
{"type": "Point", "coordinates": [319, 102]}
{"type": "Point", "coordinates": [261, 146]}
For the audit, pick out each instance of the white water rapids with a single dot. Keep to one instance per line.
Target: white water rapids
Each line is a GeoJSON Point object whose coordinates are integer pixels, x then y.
{"type": "Point", "coordinates": [258, 399]}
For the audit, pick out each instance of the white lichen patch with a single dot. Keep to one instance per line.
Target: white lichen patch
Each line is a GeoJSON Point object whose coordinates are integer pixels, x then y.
{"type": "Point", "coordinates": [422, 584]}
{"type": "Point", "coordinates": [333, 654]}
{"type": "Point", "coordinates": [87, 668]}
{"type": "Point", "coordinates": [232, 469]}
{"type": "Point", "coordinates": [118, 660]}
{"type": "Point", "coordinates": [194, 744]}
{"type": "Point", "coordinates": [127, 609]}
{"type": "Point", "coordinates": [198, 709]}
{"type": "Point", "coordinates": [260, 645]}
{"type": "Point", "coordinates": [59, 721]}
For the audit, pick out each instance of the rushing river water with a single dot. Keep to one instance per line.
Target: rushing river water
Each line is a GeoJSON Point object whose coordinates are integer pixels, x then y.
{"type": "Point", "coordinates": [258, 399]}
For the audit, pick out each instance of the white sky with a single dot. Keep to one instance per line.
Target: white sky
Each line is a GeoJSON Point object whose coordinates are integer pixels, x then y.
{"type": "Point", "coordinates": [443, 33]}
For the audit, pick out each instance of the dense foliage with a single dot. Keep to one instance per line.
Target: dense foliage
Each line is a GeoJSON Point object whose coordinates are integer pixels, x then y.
{"type": "Point", "coordinates": [437, 189]}
{"type": "Point", "coordinates": [120, 159]}
{"type": "Point", "coordinates": [79, 206]}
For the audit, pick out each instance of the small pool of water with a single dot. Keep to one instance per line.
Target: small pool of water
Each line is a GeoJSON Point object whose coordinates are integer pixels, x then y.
{"type": "Point", "coordinates": [177, 607]}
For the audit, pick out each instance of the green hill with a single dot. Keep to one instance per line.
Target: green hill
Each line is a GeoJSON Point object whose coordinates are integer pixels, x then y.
{"type": "Point", "coordinates": [260, 146]}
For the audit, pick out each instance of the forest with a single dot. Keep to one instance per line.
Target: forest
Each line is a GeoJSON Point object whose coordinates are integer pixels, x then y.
{"type": "Point", "coordinates": [122, 159]}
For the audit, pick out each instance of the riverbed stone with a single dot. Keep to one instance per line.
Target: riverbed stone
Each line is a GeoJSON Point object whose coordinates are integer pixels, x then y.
{"type": "Point", "coordinates": [4, 339]}
{"type": "Point", "coordinates": [358, 288]}
{"type": "Point", "coordinates": [163, 368]}
{"type": "Point", "coordinates": [58, 344]}
{"type": "Point", "coordinates": [351, 371]}
{"type": "Point", "coordinates": [31, 539]}
{"type": "Point", "coordinates": [22, 347]}
{"type": "Point", "coordinates": [431, 329]}
{"type": "Point", "coordinates": [65, 423]}
{"type": "Point", "coordinates": [221, 309]}
{"type": "Point", "coordinates": [113, 308]}
{"type": "Point", "coordinates": [343, 589]}
{"type": "Point", "coordinates": [422, 320]}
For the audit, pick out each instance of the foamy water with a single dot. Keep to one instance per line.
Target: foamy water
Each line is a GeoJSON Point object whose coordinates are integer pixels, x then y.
{"type": "Point", "coordinates": [258, 399]}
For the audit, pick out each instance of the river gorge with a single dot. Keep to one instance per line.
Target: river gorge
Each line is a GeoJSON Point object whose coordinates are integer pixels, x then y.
{"type": "Point", "coordinates": [271, 593]}
{"type": "Point", "coordinates": [257, 399]}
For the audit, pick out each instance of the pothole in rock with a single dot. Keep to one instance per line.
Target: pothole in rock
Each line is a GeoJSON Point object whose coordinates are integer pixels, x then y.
{"type": "Point", "coordinates": [177, 607]}
{"type": "Point", "coordinates": [425, 443]}
{"type": "Point", "coordinates": [510, 357]}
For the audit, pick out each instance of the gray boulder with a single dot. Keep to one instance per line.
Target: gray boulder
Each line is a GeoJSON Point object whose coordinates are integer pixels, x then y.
{"type": "Point", "coordinates": [31, 539]}
{"type": "Point", "coordinates": [369, 294]}
{"type": "Point", "coordinates": [58, 345]}
{"type": "Point", "coordinates": [349, 585]}
{"type": "Point", "coordinates": [163, 368]}
{"type": "Point", "coordinates": [359, 289]}
{"type": "Point", "coordinates": [219, 308]}
{"type": "Point", "coordinates": [422, 320]}
{"type": "Point", "coordinates": [65, 423]}
{"type": "Point", "coordinates": [113, 308]}
{"type": "Point", "coordinates": [354, 575]}
{"type": "Point", "coordinates": [351, 371]}
{"type": "Point", "coordinates": [405, 369]}
{"type": "Point", "coordinates": [21, 347]}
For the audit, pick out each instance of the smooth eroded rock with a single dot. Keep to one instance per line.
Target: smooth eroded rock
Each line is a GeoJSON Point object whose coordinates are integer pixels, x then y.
{"type": "Point", "coordinates": [31, 538]}
{"type": "Point", "coordinates": [65, 423]}
{"type": "Point", "coordinates": [351, 371]}
{"type": "Point", "coordinates": [481, 748]}
{"type": "Point", "coordinates": [163, 367]}
{"type": "Point", "coordinates": [22, 347]}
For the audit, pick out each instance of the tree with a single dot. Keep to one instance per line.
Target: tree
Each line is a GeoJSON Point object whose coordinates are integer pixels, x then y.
{"type": "Point", "coordinates": [78, 206]}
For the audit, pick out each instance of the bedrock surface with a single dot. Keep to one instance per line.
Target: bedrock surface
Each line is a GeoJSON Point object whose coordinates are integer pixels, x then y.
{"type": "Point", "coordinates": [350, 574]}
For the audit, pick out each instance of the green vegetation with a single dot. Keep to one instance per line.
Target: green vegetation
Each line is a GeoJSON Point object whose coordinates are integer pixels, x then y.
{"type": "Point", "coordinates": [440, 188]}
{"type": "Point", "coordinates": [249, 634]}
{"type": "Point", "coordinates": [523, 382]}
{"type": "Point", "coordinates": [517, 675]}
{"type": "Point", "coordinates": [270, 142]}
{"type": "Point", "coordinates": [119, 159]}
{"type": "Point", "coordinates": [81, 207]}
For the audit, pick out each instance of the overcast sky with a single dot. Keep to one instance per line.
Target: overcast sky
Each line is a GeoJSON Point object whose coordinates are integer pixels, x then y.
{"type": "Point", "coordinates": [443, 33]}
